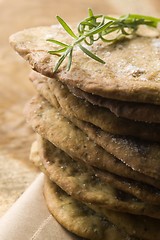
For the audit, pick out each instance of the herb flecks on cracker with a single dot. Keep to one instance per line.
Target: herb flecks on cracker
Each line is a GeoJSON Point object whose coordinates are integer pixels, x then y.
{"type": "Point", "coordinates": [97, 27]}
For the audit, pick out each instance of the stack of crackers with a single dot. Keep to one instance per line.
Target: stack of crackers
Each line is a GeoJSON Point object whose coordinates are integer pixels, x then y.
{"type": "Point", "coordinates": [98, 133]}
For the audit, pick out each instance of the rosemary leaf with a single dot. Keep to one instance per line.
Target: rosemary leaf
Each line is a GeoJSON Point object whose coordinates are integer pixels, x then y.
{"type": "Point", "coordinates": [57, 51]}
{"type": "Point", "coordinates": [61, 59]}
{"type": "Point", "coordinates": [66, 27]}
{"type": "Point", "coordinates": [90, 54]}
{"type": "Point", "coordinates": [70, 60]}
{"type": "Point", "coordinates": [90, 12]}
{"type": "Point", "coordinates": [57, 42]}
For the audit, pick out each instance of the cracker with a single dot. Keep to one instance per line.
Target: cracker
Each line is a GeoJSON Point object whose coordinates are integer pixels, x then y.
{"type": "Point", "coordinates": [78, 180]}
{"type": "Point", "coordinates": [141, 191]}
{"type": "Point", "coordinates": [47, 121]}
{"type": "Point", "coordinates": [34, 157]}
{"type": "Point", "coordinates": [137, 154]}
{"type": "Point", "coordinates": [98, 116]}
{"type": "Point", "coordinates": [138, 226]}
{"type": "Point", "coordinates": [78, 218]}
{"type": "Point", "coordinates": [131, 110]}
{"type": "Point", "coordinates": [126, 76]}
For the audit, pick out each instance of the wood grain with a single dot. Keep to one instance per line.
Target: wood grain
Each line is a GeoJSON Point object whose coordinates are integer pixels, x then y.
{"type": "Point", "coordinates": [16, 173]}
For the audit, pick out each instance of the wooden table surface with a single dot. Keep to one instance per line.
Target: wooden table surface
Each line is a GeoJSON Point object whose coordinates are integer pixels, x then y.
{"type": "Point", "coordinates": [16, 172]}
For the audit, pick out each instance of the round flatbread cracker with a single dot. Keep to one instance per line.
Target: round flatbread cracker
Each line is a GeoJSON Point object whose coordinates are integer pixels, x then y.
{"type": "Point", "coordinates": [99, 116]}
{"type": "Point", "coordinates": [48, 122]}
{"type": "Point", "coordinates": [78, 218]}
{"type": "Point", "coordinates": [131, 110]}
{"type": "Point", "coordinates": [138, 226]}
{"type": "Point", "coordinates": [131, 72]}
{"type": "Point", "coordinates": [79, 181]}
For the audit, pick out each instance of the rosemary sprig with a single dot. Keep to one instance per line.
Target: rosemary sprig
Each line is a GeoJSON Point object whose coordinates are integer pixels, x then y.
{"type": "Point", "coordinates": [97, 27]}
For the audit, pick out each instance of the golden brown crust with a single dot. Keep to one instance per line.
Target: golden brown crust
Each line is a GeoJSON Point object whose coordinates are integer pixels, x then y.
{"type": "Point", "coordinates": [138, 154]}
{"type": "Point", "coordinates": [139, 226]}
{"type": "Point", "coordinates": [48, 152]}
{"type": "Point", "coordinates": [49, 123]}
{"type": "Point", "coordinates": [78, 181]}
{"type": "Point", "coordinates": [85, 111]}
{"type": "Point", "coordinates": [137, 189]}
{"type": "Point", "coordinates": [131, 110]}
{"type": "Point", "coordinates": [131, 72]}
{"type": "Point", "coordinates": [78, 218]}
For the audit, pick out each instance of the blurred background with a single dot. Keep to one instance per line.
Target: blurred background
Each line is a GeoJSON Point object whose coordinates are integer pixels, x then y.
{"type": "Point", "coordinates": [16, 172]}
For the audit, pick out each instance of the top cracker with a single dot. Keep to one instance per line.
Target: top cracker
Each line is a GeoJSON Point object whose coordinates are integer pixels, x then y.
{"type": "Point", "coordinates": [131, 72]}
